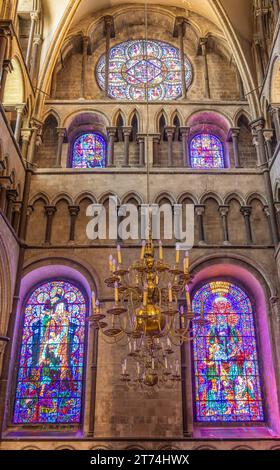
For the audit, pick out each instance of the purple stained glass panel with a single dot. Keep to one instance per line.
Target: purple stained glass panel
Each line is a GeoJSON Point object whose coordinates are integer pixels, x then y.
{"type": "Point", "coordinates": [144, 69]}
{"type": "Point", "coordinates": [227, 379]}
{"type": "Point", "coordinates": [206, 152]}
{"type": "Point", "coordinates": [50, 374]}
{"type": "Point", "coordinates": [89, 151]}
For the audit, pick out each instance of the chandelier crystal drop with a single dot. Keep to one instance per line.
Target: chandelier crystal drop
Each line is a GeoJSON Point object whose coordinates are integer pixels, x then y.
{"type": "Point", "coordinates": [146, 317]}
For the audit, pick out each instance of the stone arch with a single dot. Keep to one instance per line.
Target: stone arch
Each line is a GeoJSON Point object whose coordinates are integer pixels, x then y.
{"type": "Point", "coordinates": [241, 112]}
{"type": "Point", "coordinates": [186, 195]}
{"type": "Point", "coordinates": [42, 196]}
{"type": "Point", "coordinates": [104, 196]}
{"type": "Point", "coordinates": [247, 151]}
{"type": "Point", "coordinates": [205, 447]}
{"type": "Point", "coordinates": [252, 277]}
{"type": "Point", "coordinates": [5, 285]}
{"type": "Point", "coordinates": [211, 122]}
{"type": "Point", "coordinates": [84, 195]}
{"type": "Point", "coordinates": [255, 195]}
{"type": "Point", "coordinates": [46, 154]}
{"type": "Point", "coordinates": [62, 196]}
{"type": "Point", "coordinates": [117, 117]}
{"type": "Point", "coordinates": [212, 219]}
{"type": "Point", "coordinates": [212, 195]}
{"type": "Point", "coordinates": [242, 448]}
{"type": "Point", "coordinates": [236, 196]}
{"type": "Point", "coordinates": [89, 116]}
{"type": "Point", "coordinates": [275, 81]}
{"type": "Point", "coordinates": [132, 195]}
{"type": "Point", "coordinates": [235, 219]}
{"type": "Point", "coordinates": [15, 88]}
{"type": "Point", "coordinates": [158, 198]}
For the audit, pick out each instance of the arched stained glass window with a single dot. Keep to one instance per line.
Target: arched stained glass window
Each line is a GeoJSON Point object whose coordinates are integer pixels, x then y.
{"type": "Point", "coordinates": [89, 151]}
{"type": "Point", "coordinates": [50, 373]}
{"type": "Point", "coordinates": [206, 151]}
{"type": "Point", "coordinates": [227, 378]}
{"type": "Point", "coordinates": [144, 69]}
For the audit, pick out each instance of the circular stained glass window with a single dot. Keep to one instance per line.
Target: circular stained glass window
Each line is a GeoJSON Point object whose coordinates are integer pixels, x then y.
{"type": "Point", "coordinates": [144, 69]}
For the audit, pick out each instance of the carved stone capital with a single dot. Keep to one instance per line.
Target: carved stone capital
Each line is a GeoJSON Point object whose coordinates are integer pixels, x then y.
{"type": "Point", "coordinates": [109, 26]}
{"type": "Point", "coordinates": [61, 132]}
{"type": "Point", "coordinates": [74, 211]}
{"type": "Point", "coordinates": [233, 133]}
{"type": "Point", "coordinates": [127, 131]}
{"type": "Point", "coordinates": [258, 124]}
{"type": "Point", "coordinates": [246, 211]}
{"type": "Point", "coordinates": [199, 209]}
{"type": "Point", "coordinates": [111, 131]}
{"type": "Point", "coordinates": [50, 210]}
{"type": "Point", "coordinates": [185, 131]}
{"type": "Point", "coordinates": [223, 210]}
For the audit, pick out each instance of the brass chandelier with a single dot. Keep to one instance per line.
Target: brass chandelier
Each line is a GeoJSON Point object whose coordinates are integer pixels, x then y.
{"type": "Point", "coordinates": [146, 317]}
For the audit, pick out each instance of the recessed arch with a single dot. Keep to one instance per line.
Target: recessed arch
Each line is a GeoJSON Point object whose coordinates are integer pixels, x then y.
{"type": "Point", "coordinates": [14, 89]}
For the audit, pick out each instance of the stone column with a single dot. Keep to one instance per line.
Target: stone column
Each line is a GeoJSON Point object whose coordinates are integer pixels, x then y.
{"type": "Point", "coordinates": [199, 211]}
{"type": "Point", "coordinates": [203, 45]}
{"type": "Point", "coordinates": [73, 212]}
{"type": "Point", "coordinates": [24, 207]}
{"type": "Point", "coordinates": [16, 216]}
{"type": "Point", "coordinates": [6, 31]}
{"type": "Point", "coordinates": [179, 31]}
{"type": "Point", "coordinates": [126, 134]}
{"type": "Point", "coordinates": [36, 128]}
{"type": "Point", "coordinates": [141, 143]}
{"type": "Point", "coordinates": [34, 15]}
{"type": "Point", "coordinates": [25, 138]}
{"type": "Point", "coordinates": [223, 210]}
{"type": "Point", "coordinates": [246, 212]}
{"type": "Point", "coordinates": [11, 198]}
{"type": "Point", "coordinates": [259, 61]}
{"type": "Point", "coordinates": [170, 133]}
{"type": "Point", "coordinates": [267, 214]}
{"type": "Point", "coordinates": [240, 85]}
{"type": "Point", "coordinates": [233, 135]}
{"type": "Point", "coordinates": [20, 111]}
{"type": "Point", "coordinates": [185, 132]}
{"type": "Point", "coordinates": [61, 132]}
{"type": "Point", "coordinates": [276, 8]}
{"type": "Point", "coordinates": [6, 68]}
{"type": "Point", "coordinates": [268, 135]}
{"type": "Point", "coordinates": [277, 209]}
{"type": "Point", "coordinates": [258, 127]}
{"type": "Point", "coordinates": [50, 211]}
{"type": "Point", "coordinates": [156, 142]}
{"type": "Point", "coordinates": [111, 131]}
{"type": "Point", "coordinates": [35, 55]}
{"type": "Point", "coordinates": [109, 33]}
{"type": "Point", "coordinates": [85, 42]}
{"type": "Point", "coordinates": [275, 113]}
{"type": "Point", "coordinates": [3, 197]}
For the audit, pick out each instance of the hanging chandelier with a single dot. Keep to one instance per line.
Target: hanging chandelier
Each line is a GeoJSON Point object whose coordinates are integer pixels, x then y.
{"type": "Point", "coordinates": [146, 318]}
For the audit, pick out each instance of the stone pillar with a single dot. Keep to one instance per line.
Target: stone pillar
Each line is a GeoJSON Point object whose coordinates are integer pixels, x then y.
{"type": "Point", "coordinates": [50, 211]}
{"type": "Point", "coordinates": [24, 207]}
{"type": "Point", "coordinates": [6, 32]}
{"type": "Point", "coordinates": [61, 132]}
{"type": "Point", "coordinates": [268, 135]}
{"type": "Point", "coordinates": [6, 68]}
{"type": "Point", "coordinates": [36, 127]}
{"type": "Point", "coordinates": [16, 216]}
{"type": "Point", "coordinates": [25, 137]}
{"type": "Point", "coordinates": [34, 15]}
{"type": "Point", "coordinates": [11, 198]}
{"type": "Point", "coordinates": [277, 209]}
{"type": "Point", "coordinates": [246, 212]}
{"type": "Point", "coordinates": [34, 63]}
{"type": "Point", "coordinates": [170, 133]}
{"type": "Point", "coordinates": [126, 134]}
{"type": "Point", "coordinates": [223, 210]}
{"type": "Point", "coordinates": [203, 45]}
{"type": "Point", "coordinates": [3, 197]}
{"type": "Point", "coordinates": [85, 42]}
{"type": "Point", "coordinates": [233, 135]}
{"type": "Point", "coordinates": [179, 31]}
{"type": "Point", "coordinates": [141, 143]}
{"type": "Point", "coordinates": [20, 111]}
{"type": "Point", "coordinates": [240, 85]}
{"type": "Point", "coordinates": [73, 212]}
{"type": "Point", "coordinates": [111, 131]}
{"type": "Point", "coordinates": [259, 61]}
{"type": "Point", "coordinates": [275, 113]}
{"type": "Point", "coordinates": [185, 132]}
{"type": "Point", "coordinates": [258, 127]}
{"type": "Point", "coordinates": [276, 8]}
{"type": "Point", "coordinates": [199, 211]}
{"type": "Point", "coordinates": [267, 214]}
{"type": "Point", "coordinates": [109, 33]}
{"type": "Point", "coordinates": [156, 142]}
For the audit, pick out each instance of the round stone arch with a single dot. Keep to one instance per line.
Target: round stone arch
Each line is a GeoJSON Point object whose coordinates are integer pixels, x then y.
{"type": "Point", "coordinates": [245, 274]}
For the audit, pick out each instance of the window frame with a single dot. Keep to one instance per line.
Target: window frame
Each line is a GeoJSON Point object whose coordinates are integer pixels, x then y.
{"type": "Point", "coordinates": [47, 428]}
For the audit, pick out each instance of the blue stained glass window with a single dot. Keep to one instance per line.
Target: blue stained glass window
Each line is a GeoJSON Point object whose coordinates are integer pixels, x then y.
{"type": "Point", "coordinates": [206, 152]}
{"type": "Point", "coordinates": [144, 69]}
{"type": "Point", "coordinates": [89, 151]}
{"type": "Point", "coordinates": [227, 378]}
{"type": "Point", "coordinates": [50, 373]}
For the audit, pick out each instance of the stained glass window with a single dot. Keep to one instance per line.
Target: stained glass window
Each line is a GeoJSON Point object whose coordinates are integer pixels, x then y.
{"type": "Point", "coordinates": [144, 69]}
{"type": "Point", "coordinates": [50, 374]}
{"type": "Point", "coordinates": [227, 378]}
{"type": "Point", "coordinates": [206, 151]}
{"type": "Point", "coordinates": [89, 151]}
